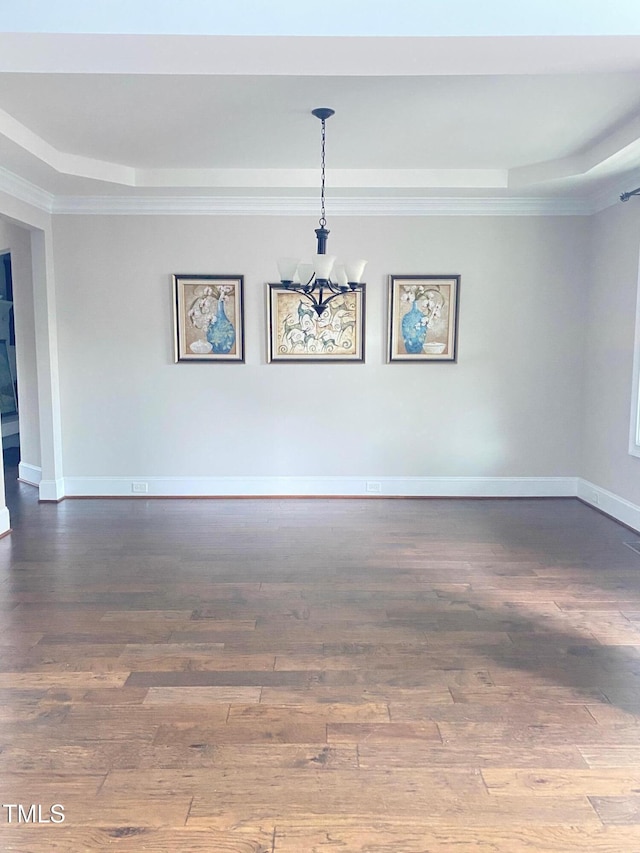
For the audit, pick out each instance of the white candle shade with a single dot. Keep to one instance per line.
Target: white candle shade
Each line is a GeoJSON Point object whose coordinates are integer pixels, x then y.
{"type": "Point", "coordinates": [323, 265]}
{"type": "Point", "coordinates": [305, 272]}
{"type": "Point", "coordinates": [340, 275]}
{"type": "Point", "coordinates": [354, 271]}
{"type": "Point", "coordinates": [287, 268]}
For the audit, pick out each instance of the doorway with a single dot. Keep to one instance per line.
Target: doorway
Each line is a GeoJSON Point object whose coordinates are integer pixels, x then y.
{"type": "Point", "coordinates": [9, 415]}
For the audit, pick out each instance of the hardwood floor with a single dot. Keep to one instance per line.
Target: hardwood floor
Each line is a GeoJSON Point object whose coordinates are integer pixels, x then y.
{"type": "Point", "coordinates": [290, 676]}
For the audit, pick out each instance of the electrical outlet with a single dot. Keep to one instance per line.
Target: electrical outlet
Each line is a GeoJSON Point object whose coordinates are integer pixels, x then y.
{"type": "Point", "coordinates": [374, 486]}
{"type": "Point", "coordinates": [139, 488]}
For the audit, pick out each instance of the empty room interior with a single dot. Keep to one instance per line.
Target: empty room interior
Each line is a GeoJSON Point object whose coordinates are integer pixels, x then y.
{"type": "Point", "coordinates": [300, 554]}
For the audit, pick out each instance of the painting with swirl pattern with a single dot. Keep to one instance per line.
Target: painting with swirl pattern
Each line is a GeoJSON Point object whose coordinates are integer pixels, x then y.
{"type": "Point", "coordinates": [297, 333]}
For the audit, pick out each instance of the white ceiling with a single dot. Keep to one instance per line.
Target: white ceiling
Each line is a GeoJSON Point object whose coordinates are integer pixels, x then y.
{"type": "Point", "coordinates": [223, 122]}
{"type": "Point", "coordinates": [190, 116]}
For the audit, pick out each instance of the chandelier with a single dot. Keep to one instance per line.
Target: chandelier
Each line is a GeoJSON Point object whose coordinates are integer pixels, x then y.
{"type": "Point", "coordinates": [321, 280]}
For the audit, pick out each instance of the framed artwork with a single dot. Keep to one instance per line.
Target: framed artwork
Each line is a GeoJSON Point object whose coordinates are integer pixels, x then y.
{"type": "Point", "coordinates": [297, 333]}
{"type": "Point", "coordinates": [208, 317]}
{"type": "Point", "coordinates": [8, 399]}
{"type": "Point", "coordinates": [423, 317]}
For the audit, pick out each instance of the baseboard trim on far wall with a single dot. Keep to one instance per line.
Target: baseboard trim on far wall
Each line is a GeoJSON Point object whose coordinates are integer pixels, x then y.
{"type": "Point", "coordinates": [618, 508]}
{"type": "Point", "coordinates": [610, 504]}
{"type": "Point", "coordinates": [315, 486]}
{"type": "Point", "coordinates": [31, 474]}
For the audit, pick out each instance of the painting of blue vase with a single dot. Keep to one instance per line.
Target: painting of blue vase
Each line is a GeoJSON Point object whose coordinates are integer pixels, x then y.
{"type": "Point", "coordinates": [209, 318]}
{"type": "Point", "coordinates": [414, 329]}
{"type": "Point", "coordinates": [221, 334]}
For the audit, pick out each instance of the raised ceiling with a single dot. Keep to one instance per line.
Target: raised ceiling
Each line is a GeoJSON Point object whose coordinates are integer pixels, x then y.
{"type": "Point", "coordinates": [191, 116]}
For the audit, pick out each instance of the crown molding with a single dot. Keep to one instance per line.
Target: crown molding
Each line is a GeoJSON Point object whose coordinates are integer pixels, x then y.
{"type": "Point", "coordinates": [24, 190]}
{"type": "Point", "coordinates": [304, 206]}
{"type": "Point", "coordinates": [253, 205]}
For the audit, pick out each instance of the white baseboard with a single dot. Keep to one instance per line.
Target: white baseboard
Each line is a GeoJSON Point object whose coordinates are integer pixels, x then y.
{"type": "Point", "coordinates": [52, 490]}
{"type": "Point", "coordinates": [319, 486]}
{"type": "Point", "coordinates": [5, 521]}
{"type": "Point", "coordinates": [31, 474]}
{"type": "Point", "coordinates": [473, 487]}
{"type": "Point", "coordinates": [619, 508]}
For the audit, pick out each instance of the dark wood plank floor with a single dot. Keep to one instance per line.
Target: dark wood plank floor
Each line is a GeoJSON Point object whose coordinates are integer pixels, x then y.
{"type": "Point", "coordinates": [289, 676]}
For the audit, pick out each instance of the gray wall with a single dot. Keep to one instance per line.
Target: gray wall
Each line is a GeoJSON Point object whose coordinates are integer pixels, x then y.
{"type": "Point", "coordinates": [610, 297]}
{"type": "Point", "coordinates": [511, 406]}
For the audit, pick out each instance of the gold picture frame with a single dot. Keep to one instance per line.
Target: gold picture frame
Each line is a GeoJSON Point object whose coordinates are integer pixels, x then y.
{"type": "Point", "coordinates": [296, 333]}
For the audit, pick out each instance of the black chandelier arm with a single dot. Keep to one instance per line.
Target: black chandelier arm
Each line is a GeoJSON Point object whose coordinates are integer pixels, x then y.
{"type": "Point", "coordinates": [321, 284]}
{"type": "Point", "coordinates": [320, 305]}
{"type": "Point", "coordinates": [627, 196]}
{"type": "Point", "coordinates": [337, 289]}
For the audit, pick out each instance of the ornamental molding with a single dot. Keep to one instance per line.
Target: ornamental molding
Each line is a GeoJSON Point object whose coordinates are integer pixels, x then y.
{"type": "Point", "coordinates": [23, 190]}
{"type": "Point", "coordinates": [273, 205]}
{"type": "Point", "coordinates": [307, 206]}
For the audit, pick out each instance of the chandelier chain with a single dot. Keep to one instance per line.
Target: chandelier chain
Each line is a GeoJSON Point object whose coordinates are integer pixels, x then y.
{"type": "Point", "coordinates": [323, 220]}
